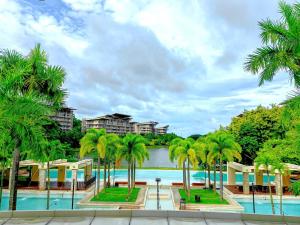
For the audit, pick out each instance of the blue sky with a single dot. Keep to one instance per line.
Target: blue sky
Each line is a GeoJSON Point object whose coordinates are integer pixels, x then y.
{"type": "Point", "coordinates": [179, 62]}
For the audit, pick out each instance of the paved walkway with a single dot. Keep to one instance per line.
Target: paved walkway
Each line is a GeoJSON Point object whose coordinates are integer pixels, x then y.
{"type": "Point", "coordinates": [140, 218]}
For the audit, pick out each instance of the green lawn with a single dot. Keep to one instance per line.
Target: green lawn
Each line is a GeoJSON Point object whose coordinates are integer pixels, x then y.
{"type": "Point", "coordinates": [207, 196]}
{"type": "Point", "coordinates": [118, 194]}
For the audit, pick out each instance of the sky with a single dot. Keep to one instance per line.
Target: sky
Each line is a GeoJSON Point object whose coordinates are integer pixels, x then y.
{"type": "Point", "coordinates": [178, 62]}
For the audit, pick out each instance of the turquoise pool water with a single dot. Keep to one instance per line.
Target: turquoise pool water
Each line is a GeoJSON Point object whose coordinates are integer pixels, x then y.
{"type": "Point", "coordinates": [167, 176]}
{"type": "Point", "coordinates": [290, 207]}
{"type": "Point", "coordinates": [38, 202]}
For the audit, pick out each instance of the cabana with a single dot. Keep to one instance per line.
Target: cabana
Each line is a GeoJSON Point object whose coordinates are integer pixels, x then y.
{"type": "Point", "coordinates": [233, 167]}
{"type": "Point", "coordinates": [37, 175]}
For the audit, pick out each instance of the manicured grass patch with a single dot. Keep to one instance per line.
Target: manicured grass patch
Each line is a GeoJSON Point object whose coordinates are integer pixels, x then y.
{"type": "Point", "coordinates": [207, 196]}
{"type": "Point", "coordinates": [118, 194]}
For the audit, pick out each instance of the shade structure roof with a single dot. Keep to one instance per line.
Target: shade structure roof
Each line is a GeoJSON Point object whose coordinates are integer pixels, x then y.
{"type": "Point", "coordinates": [56, 163]}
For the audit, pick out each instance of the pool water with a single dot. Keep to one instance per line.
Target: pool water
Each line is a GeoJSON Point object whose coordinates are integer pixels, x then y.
{"type": "Point", "coordinates": [290, 207]}
{"type": "Point", "coordinates": [39, 202]}
{"type": "Point", "coordinates": [167, 176]}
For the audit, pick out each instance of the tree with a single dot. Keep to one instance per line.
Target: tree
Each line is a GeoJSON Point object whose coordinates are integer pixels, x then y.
{"type": "Point", "coordinates": [282, 170]}
{"type": "Point", "coordinates": [184, 150]}
{"type": "Point", "coordinates": [266, 161]}
{"type": "Point", "coordinates": [30, 90]}
{"type": "Point", "coordinates": [223, 147]}
{"type": "Point", "coordinates": [94, 141]}
{"type": "Point", "coordinates": [113, 145]}
{"type": "Point", "coordinates": [133, 151]}
{"type": "Point", "coordinates": [202, 147]}
{"type": "Point", "coordinates": [253, 128]}
{"type": "Point", "coordinates": [281, 44]}
{"type": "Point", "coordinates": [50, 151]}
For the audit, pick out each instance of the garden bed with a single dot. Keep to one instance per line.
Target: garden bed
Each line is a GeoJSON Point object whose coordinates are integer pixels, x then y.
{"type": "Point", "coordinates": [207, 196]}
{"type": "Point", "coordinates": [116, 194]}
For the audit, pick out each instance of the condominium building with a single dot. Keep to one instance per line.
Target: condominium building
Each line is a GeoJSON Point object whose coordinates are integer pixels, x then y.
{"type": "Point", "coordinates": [162, 130]}
{"type": "Point", "coordinates": [64, 117]}
{"type": "Point", "coordinates": [121, 124]}
{"type": "Point", "coordinates": [116, 123]}
{"type": "Point", "coordinates": [145, 127]}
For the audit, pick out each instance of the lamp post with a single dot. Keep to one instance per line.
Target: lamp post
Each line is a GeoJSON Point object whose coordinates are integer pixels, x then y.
{"type": "Point", "coordinates": [253, 199]}
{"type": "Point", "coordinates": [157, 184]}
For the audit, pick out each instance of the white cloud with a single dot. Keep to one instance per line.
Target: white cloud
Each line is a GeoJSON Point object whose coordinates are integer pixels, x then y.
{"type": "Point", "coordinates": [177, 62]}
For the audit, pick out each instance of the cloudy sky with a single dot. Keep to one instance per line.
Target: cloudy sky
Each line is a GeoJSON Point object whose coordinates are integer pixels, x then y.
{"type": "Point", "coordinates": [179, 62]}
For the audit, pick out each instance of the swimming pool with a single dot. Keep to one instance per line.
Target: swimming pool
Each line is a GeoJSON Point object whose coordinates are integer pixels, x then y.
{"type": "Point", "coordinates": [38, 202]}
{"type": "Point", "coordinates": [167, 176]}
{"type": "Point", "coordinates": [263, 206]}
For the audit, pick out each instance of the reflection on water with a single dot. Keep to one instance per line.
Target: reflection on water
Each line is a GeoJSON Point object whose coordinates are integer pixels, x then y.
{"type": "Point", "coordinates": [159, 158]}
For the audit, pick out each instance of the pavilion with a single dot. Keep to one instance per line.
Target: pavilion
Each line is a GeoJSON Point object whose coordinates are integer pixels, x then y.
{"type": "Point", "coordinates": [233, 167]}
{"type": "Point", "coordinates": [37, 175]}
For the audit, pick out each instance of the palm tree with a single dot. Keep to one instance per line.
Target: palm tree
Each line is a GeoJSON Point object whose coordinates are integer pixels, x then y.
{"type": "Point", "coordinates": [266, 161]}
{"type": "Point", "coordinates": [223, 147]}
{"type": "Point", "coordinates": [50, 151]}
{"type": "Point", "coordinates": [281, 44]}
{"type": "Point", "coordinates": [94, 141]}
{"type": "Point", "coordinates": [30, 90]}
{"type": "Point", "coordinates": [113, 145]}
{"type": "Point", "coordinates": [133, 151]}
{"type": "Point", "coordinates": [184, 150]}
{"type": "Point", "coordinates": [202, 150]}
{"type": "Point", "coordinates": [5, 158]}
{"type": "Point", "coordinates": [282, 170]}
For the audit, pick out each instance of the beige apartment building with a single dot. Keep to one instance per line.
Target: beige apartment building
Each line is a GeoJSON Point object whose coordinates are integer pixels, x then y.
{"type": "Point", "coordinates": [161, 130]}
{"type": "Point", "coordinates": [64, 118]}
{"type": "Point", "coordinates": [120, 124]}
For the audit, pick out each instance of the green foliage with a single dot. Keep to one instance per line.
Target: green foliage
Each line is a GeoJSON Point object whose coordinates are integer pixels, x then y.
{"type": "Point", "coordinates": [296, 188]}
{"type": "Point", "coordinates": [254, 127]}
{"type": "Point", "coordinates": [207, 196]}
{"type": "Point", "coordinates": [159, 139]}
{"type": "Point", "coordinates": [119, 194]}
{"type": "Point", "coordinates": [281, 46]}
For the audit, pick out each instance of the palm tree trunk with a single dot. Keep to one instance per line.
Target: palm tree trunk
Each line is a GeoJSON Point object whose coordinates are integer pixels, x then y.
{"type": "Point", "coordinates": [14, 180]}
{"type": "Point", "coordinates": [128, 177]}
{"type": "Point", "coordinates": [134, 170]}
{"type": "Point", "coordinates": [215, 175]}
{"type": "Point", "coordinates": [98, 175]}
{"type": "Point", "coordinates": [208, 174]}
{"type": "Point", "coordinates": [270, 191]}
{"type": "Point", "coordinates": [108, 174]}
{"type": "Point", "coordinates": [114, 173]}
{"type": "Point", "coordinates": [188, 178]}
{"type": "Point", "coordinates": [221, 178]}
{"type": "Point", "coordinates": [1, 184]}
{"type": "Point", "coordinates": [184, 176]}
{"type": "Point", "coordinates": [205, 168]}
{"type": "Point", "coordinates": [280, 196]}
{"type": "Point", "coordinates": [48, 185]}
{"type": "Point", "coordinates": [104, 176]}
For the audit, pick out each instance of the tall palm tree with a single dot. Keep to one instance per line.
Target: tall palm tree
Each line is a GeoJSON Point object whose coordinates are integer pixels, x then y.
{"type": "Point", "coordinates": [113, 145]}
{"type": "Point", "coordinates": [282, 170]}
{"type": "Point", "coordinates": [94, 141]}
{"type": "Point", "coordinates": [223, 147]}
{"type": "Point", "coordinates": [133, 151]}
{"type": "Point", "coordinates": [281, 46]}
{"type": "Point", "coordinates": [184, 150]}
{"type": "Point", "coordinates": [50, 151]}
{"type": "Point", "coordinates": [202, 151]}
{"type": "Point", "coordinates": [30, 90]}
{"type": "Point", "coordinates": [266, 161]}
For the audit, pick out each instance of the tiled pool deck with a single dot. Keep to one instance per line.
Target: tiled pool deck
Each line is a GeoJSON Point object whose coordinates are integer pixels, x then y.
{"type": "Point", "coordinates": [135, 217]}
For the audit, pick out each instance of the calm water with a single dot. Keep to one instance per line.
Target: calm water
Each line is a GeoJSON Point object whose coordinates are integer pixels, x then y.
{"type": "Point", "coordinates": [167, 176]}
{"type": "Point", "coordinates": [159, 158]}
{"type": "Point", "coordinates": [290, 207]}
{"type": "Point", "coordinates": [34, 202]}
